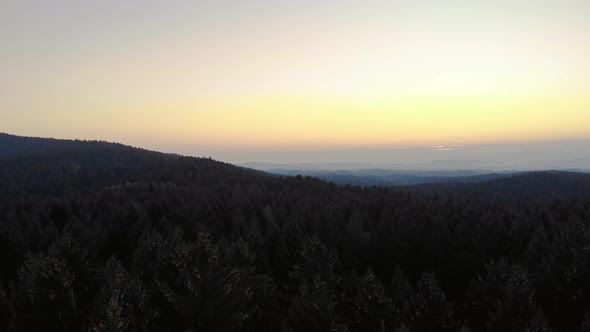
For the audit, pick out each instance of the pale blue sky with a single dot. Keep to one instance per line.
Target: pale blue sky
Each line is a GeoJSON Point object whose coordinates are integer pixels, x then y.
{"type": "Point", "coordinates": [217, 74]}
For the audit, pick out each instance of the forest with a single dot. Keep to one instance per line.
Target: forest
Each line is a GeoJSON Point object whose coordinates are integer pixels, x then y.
{"type": "Point", "coordinates": [96, 236]}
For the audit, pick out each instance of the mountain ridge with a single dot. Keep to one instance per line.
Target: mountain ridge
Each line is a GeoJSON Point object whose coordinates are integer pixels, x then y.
{"type": "Point", "coordinates": [91, 158]}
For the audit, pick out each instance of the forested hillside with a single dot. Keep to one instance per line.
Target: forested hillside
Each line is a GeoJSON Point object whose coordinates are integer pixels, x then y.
{"type": "Point", "coordinates": [384, 177]}
{"type": "Point", "coordinates": [522, 186]}
{"type": "Point", "coordinates": [102, 237]}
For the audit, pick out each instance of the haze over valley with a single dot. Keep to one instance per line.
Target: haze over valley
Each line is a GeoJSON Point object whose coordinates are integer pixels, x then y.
{"type": "Point", "coordinates": [295, 165]}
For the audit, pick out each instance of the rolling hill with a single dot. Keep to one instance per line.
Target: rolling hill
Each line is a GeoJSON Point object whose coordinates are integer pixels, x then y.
{"type": "Point", "coordinates": [527, 185]}
{"type": "Point", "coordinates": [105, 237]}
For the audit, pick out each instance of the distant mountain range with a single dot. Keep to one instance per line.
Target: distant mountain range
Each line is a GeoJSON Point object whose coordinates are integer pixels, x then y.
{"type": "Point", "coordinates": [561, 155]}
{"type": "Point", "coordinates": [384, 177]}
{"type": "Point", "coordinates": [95, 161]}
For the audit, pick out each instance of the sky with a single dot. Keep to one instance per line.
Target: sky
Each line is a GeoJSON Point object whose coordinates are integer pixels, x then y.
{"type": "Point", "coordinates": [244, 80]}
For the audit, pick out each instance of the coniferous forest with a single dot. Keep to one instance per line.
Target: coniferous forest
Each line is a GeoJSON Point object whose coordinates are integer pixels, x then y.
{"type": "Point", "coordinates": [96, 236]}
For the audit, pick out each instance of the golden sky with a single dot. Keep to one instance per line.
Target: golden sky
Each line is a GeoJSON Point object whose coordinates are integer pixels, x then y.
{"type": "Point", "coordinates": [296, 73]}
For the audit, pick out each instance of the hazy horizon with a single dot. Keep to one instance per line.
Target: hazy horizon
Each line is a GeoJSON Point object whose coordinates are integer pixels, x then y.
{"type": "Point", "coordinates": [565, 154]}
{"type": "Point", "coordinates": [522, 156]}
{"type": "Point", "coordinates": [425, 165]}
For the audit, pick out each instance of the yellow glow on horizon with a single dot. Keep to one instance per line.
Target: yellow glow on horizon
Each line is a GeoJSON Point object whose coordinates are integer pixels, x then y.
{"type": "Point", "coordinates": [279, 74]}
{"type": "Point", "coordinates": [298, 120]}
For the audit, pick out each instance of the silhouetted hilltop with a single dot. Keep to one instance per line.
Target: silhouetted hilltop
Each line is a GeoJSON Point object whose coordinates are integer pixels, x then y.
{"type": "Point", "coordinates": [20, 146]}
{"type": "Point", "coordinates": [52, 165]}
